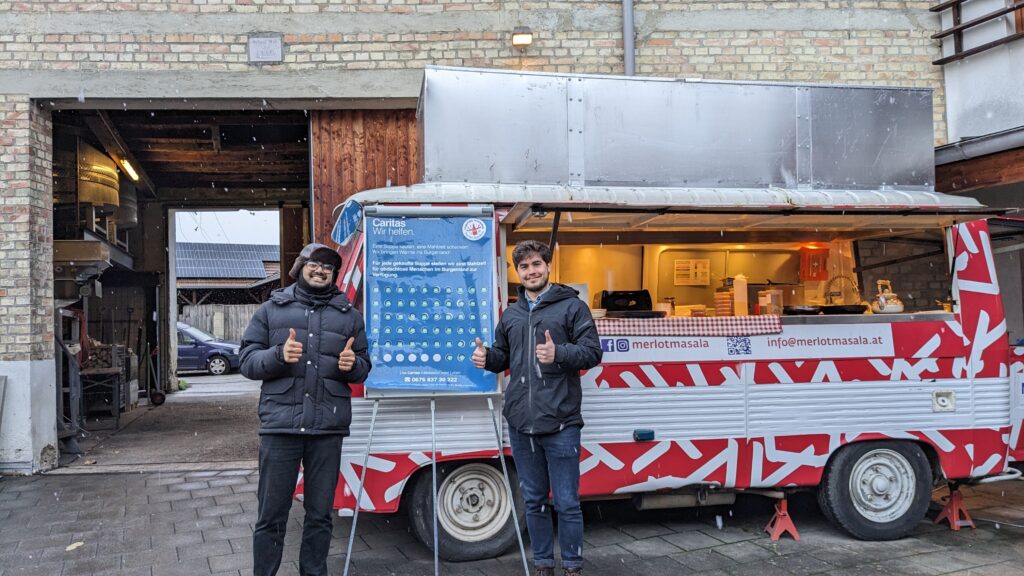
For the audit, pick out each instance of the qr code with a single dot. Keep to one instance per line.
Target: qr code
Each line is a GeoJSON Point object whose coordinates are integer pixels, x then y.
{"type": "Point", "coordinates": [738, 345]}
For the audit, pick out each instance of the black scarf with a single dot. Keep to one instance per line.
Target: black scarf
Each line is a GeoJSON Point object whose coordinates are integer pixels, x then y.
{"type": "Point", "coordinates": [316, 296]}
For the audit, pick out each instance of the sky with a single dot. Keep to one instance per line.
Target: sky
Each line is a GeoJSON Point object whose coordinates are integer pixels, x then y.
{"type": "Point", "coordinates": [229, 227]}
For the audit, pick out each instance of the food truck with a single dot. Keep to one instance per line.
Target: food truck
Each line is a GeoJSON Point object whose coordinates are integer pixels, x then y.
{"type": "Point", "coordinates": [715, 230]}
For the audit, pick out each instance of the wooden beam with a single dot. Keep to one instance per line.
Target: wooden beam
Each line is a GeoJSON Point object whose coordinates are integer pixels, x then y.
{"type": "Point", "coordinates": [292, 169]}
{"type": "Point", "coordinates": [171, 118]}
{"type": "Point", "coordinates": [204, 145]}
{"type": "Point", "coordinates": [99, 122]}
{"type": "Point", "coordinates": [224, 155]}
{"type": "Point", "coordinates": [238, 196]}
{"type": "Point", "coordinates": [988, 171]}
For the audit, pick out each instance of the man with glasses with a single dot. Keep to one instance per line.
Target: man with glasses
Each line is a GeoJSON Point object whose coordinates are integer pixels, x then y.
{"type": "Point", "coordinates": [307, 344]}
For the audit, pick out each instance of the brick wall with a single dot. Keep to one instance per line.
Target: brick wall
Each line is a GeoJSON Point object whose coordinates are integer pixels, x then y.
{"type": "Point", "coordinates": [885, 42]}
{"type": "Point", "coordinates": [26, 206]}
{"type": "Point", "coordinates": [919, 283]}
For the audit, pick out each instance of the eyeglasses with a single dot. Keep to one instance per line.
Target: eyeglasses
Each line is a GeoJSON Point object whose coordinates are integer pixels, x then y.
{"type": "Point", "coordinates": [313, 265]}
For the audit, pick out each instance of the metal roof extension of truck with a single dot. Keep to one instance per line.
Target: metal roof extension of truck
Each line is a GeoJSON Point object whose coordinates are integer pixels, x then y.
{"type": "Point", "coordinates": [661, 208]}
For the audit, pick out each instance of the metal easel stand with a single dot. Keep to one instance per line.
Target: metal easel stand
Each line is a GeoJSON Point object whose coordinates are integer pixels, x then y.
{"type": "Point", "coordinates": [433, 471]}
{"type": "Point", "coordinates": [508, 484]}
{"type": "Point", "coordinates": [359, 491]}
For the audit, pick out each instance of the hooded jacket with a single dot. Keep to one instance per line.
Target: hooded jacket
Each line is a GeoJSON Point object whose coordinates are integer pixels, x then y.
{"type": "Point", "coordinates": [545, 398]}
{"type": "Point", "coordinates": [311, 396]}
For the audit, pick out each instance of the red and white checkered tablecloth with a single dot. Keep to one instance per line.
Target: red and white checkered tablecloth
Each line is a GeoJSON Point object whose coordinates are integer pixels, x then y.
{"type": "Point", "coordinates": [690, 326]}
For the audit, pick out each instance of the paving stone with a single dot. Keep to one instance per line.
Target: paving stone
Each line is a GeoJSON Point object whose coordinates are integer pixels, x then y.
{"type": "Point", "coordinates": [707, 559]}
{"type": "Point", "coordinates": [40, 570]}
{"type": "Point", "coordinates": [642, 531]}
{"type": "Point", "coordinates": [744, 552]}
{"type": "Point", "coordinates": [214, 491]}
{"type": "Point", "coordinates": [205, 549]}
{"type": "Point", "coordinates": [91, 565]}
{"type": "Point", "coordinates": [234, 561]}
{"type": "Point", "coordinates": [766, 568]}
{"type": "Point", "coordinates": [148, 558]}
{"type": "Point", "coordinates": [905, 567]}
{"type": "Point", "coordinates": [649, 547]}
{"type": "Point", "coordinates": [221, 510]}
{"type": "Point", "coordinates": [944, 560]}
{"type": "Point", "coordinates": [193, 567]}
{"type": "Point", "coordinates": [730, 534]}
{"type": "Point", "coordinates": [198, 524]}
{"type": "Point", "coordinates": [691, 540]}
{"type": "Point", "coordinates": [802, 564]}
{"type": "Point", "coordinates": [193, 503]}
{"type": "Point", "coordinates": [190, 486]}
{"type": "Point", "coordinates": [604, 535]}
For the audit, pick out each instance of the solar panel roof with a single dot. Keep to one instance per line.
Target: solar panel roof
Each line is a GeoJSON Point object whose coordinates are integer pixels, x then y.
{"type": "Point", "coordinates": [206, 260]}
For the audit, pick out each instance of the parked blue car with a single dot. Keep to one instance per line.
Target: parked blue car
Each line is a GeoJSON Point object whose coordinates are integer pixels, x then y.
{"type": "Point", "coordinates": [198, 350]}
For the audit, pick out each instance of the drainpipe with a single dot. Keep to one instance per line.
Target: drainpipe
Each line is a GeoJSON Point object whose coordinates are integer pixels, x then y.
{"type": "Point", "coordinates": [628, 37]}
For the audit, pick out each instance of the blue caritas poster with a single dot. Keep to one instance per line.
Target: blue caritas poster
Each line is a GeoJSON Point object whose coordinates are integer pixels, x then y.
{"type": "Point", "coordinates": [430, 292]}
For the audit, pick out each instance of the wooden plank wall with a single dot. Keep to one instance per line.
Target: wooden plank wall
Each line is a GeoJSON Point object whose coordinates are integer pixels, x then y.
{"type": "Point", "coordinates": [356, 150]}
{"type": "Point", "coordinates": [235, 317]}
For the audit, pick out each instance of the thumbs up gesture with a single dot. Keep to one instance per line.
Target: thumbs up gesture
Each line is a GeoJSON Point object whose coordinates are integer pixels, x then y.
{"type": "Point", "coordinates": [292, 348]}
{"type": "Point", "coordinates": [479, 354]}
{"type": "Point", "coordinates": [347, 358]}
{"type": "Point", "coordinates": [546, 349]}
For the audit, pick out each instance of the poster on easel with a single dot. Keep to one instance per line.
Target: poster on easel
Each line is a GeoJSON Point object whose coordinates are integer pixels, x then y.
{"type": "Point", "coordinates": [430, 292]}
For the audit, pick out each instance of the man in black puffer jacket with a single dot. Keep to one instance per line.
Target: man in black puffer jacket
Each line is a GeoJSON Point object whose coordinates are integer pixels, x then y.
{"type": "Point", "coordinates": [307, 344]}
{"type": "Point", "coordinates": [546, 338]}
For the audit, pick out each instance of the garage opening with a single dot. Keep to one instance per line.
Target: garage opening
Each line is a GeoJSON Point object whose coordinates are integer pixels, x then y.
{"type": "Point", "coordinates": [166, 219]}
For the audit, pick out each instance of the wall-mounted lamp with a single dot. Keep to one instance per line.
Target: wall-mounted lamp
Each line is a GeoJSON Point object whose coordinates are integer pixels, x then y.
{"type": "Point", "coordinates": [130, 170]}
{"type": "Point", "coordinates": [522, 37]}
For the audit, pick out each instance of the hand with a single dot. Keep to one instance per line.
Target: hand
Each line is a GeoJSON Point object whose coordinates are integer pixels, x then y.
{"type": "Point", "coordinates": [479, 354]}
{"type": "Point", "coordinates": [347, 358]}
{"type": "Point", "coordinates": [292, 348]}
{"type": "Point", "coordinates": [546, 350]}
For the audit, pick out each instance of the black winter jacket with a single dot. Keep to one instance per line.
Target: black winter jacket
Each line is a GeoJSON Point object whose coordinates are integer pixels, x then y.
{"type": "Point", "coordinates": [545, 398]}
{"type": "Point", "coordinates": [313, 395]}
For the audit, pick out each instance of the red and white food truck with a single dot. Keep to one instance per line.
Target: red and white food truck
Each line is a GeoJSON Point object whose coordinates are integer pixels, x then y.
{"type": "Point", "coordinates": [871, 410]}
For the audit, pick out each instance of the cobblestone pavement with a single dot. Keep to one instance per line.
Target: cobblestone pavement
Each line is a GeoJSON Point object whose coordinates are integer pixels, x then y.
{"type": "Point", "coordinates": [200, 523]}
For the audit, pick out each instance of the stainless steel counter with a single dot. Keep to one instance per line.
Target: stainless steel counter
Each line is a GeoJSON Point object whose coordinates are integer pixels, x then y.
{"type": "Point", "coordinates": [937, 316]}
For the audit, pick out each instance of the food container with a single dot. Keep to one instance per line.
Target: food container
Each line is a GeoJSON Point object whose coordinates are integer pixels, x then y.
{"type": "Point", "coordinates": [598, 313]}
{"type": "Point", "coordinates": [769, 301]}
{"type": "Point", "coordinates": [723, 303]}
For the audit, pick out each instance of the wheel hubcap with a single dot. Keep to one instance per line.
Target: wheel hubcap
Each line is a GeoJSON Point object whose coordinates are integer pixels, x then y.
{"type": "Point", "coordinates": [472, 503]}
{"type": "Point", "coordinates": [217, 366]}
{"type": "Point", "coordinates": [882, 485]}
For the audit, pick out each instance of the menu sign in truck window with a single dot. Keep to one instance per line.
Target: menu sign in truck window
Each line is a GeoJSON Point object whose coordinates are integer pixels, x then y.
{"type": "Point", "coordinates": [430, 293]}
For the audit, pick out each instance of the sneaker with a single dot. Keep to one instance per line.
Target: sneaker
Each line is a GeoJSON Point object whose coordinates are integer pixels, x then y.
{"type": "Point", "coordinates": [544, 571]}
{"type": "Point", "coordinates": [573, 572]}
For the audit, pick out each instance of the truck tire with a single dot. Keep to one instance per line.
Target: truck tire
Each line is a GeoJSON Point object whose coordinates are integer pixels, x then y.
{"type": "Point", "coordinates": [475, 520]}
{"type": "Point", "coordinates": [877, 490]}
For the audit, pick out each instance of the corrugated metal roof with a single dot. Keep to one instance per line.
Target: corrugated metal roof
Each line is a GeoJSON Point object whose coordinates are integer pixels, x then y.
{"type": "Point", "coordinates": [209, 260]}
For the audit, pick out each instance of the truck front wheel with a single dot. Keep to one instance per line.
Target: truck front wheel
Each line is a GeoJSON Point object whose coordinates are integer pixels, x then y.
{"type": "Point", "coordinates": [877, 490]}
{"type": "Point", "coordinates": [475, 514]}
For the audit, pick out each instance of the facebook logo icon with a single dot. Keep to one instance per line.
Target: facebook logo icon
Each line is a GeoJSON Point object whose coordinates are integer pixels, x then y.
{"type": "Point", "coordinates": [613, 345]}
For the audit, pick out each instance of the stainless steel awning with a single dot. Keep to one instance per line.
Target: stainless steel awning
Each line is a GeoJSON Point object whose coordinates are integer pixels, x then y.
{"type": "Point", "coordinates": [671, 208]}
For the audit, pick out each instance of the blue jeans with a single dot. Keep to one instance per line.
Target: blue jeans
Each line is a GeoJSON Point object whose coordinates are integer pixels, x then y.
{"type": "Point", "coordinates": [550, 464]}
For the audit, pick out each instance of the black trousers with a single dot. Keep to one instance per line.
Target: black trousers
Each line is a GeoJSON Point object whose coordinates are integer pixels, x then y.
{"type": "Point", "coordinates": [280, 456]}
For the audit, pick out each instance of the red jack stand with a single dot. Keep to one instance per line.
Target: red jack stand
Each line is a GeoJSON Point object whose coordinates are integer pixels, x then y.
{"type": "Point", "coordinates": [954, 511]}
{"type": "Point", "coordinates": [782, 522]}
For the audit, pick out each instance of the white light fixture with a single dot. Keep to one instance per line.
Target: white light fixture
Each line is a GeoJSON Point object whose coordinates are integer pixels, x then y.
{"type": "Point", "coordinates": [522, 37]}
{"type": "Point", "coordinates": [131, 171]}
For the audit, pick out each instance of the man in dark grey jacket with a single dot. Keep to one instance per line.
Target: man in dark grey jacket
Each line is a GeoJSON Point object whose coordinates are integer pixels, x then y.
{"type": "Point", "coordinates": [547, 337]}
{"type": "Point", "coordinates": [307, 344]}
